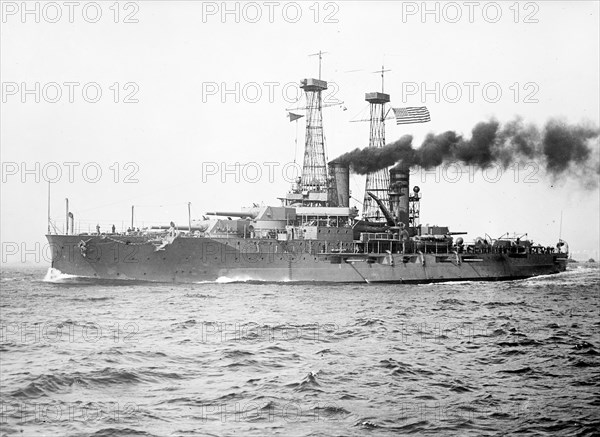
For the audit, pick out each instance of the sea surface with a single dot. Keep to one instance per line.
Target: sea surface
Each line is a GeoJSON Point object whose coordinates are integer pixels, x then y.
{"type": "Point", "coordinates": [106, 358]}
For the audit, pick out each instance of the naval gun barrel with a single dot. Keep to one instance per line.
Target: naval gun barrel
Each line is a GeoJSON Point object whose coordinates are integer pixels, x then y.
{"type": "Point", "coordinates": [200, 228]}
{"type": "Point", "coordinates": [196, 225]}
{"type": "Point", "coordinates": [240, 214]}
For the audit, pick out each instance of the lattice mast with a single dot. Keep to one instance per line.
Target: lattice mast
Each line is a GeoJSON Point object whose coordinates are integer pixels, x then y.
{"type": "Point", "coordinates": [377, 182]}
{"type": "Point", "coordinates": [314, 170]}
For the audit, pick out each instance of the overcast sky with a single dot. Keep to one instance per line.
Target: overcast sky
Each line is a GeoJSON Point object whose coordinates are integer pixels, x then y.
{"type": "Point", "coordinates": [188, 89]}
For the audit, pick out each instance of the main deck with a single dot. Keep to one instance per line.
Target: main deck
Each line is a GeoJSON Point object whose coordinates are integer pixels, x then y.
{"type": "Point", "coordinates": [197, 259]}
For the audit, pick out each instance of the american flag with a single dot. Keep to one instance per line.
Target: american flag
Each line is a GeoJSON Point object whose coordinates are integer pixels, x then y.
{"type": "Point", "coordinates": [412, 114]}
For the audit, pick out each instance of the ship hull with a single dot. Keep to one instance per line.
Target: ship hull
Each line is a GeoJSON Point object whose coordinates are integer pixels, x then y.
{"type": "Point", "coordinates": [192, 260]}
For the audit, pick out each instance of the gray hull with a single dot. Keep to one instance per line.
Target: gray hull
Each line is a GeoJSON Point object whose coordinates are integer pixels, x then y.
{"type": "Point", "coordinates": [192, 260]}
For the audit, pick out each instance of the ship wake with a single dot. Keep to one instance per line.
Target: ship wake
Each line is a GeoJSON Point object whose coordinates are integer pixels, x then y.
{"type": "Point", "coordinates": [55, 275]}
{"type": "Point", "coordinates": [242, 279]}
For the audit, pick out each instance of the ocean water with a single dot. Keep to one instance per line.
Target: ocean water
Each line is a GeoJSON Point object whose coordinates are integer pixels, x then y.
{"type": "Point", "coordinates": [102, 358]}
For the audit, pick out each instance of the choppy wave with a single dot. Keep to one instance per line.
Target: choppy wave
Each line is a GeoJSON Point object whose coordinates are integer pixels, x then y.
{"type": "Point", "coordinates": [519, 357]}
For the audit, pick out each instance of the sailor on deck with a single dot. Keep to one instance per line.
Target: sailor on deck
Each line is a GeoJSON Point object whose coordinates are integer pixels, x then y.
{"type": "Point", "coordinates": [403, 237]}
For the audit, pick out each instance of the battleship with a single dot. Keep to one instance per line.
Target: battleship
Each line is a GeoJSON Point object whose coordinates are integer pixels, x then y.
{"type": "Point", "coordinates": [313, 235]}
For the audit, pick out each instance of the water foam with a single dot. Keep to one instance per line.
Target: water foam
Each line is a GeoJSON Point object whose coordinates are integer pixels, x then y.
{"type": "Point", "coordinates": [237, 279]}
{"type": "Point", "coordinates": [55, 275]}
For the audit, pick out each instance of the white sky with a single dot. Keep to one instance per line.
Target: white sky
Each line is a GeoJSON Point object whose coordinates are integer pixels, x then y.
{"type": "Point", "coordinates": [174, 52]}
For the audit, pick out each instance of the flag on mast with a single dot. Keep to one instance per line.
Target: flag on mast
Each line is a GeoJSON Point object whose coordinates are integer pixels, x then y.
{"type": "Point", "coordinates": [293, 116]}
{"type": "Point", "coordinates": [412, 114]}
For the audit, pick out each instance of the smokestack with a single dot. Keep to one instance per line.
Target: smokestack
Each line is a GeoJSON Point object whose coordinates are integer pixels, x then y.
{"type": "Point", "coordinates": [399, 182]}
{"type": "Point", "coordinates": [339, 174]}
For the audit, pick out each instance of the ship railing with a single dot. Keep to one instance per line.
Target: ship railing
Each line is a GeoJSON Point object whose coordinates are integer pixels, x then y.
{"type": "Point", "coordinates": [476, 248]}
{"type": "Point", "coordinates": [432, 247]}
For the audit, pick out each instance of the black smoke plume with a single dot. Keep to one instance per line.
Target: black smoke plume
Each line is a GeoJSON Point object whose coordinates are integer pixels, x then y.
{"type": "Point", "coordinates": [560, 148]}
{"type": "Point", "coordinates": [370, 159]}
